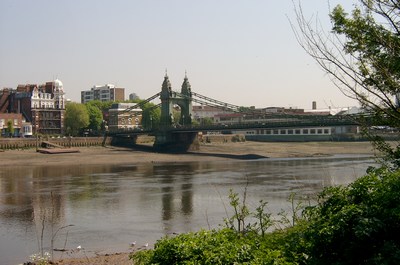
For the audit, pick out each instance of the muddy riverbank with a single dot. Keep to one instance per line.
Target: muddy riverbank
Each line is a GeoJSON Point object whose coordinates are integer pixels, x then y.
{"type": "Point", "coordinates": [218, 151]}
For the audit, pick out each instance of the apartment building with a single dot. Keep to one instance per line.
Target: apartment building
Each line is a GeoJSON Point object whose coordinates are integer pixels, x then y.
{"type": "Point", "coordinates": [107, 92]}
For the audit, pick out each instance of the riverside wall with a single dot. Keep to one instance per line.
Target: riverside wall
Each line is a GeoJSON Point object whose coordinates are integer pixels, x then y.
{"type": "Point", "coordinates": [27, 143]}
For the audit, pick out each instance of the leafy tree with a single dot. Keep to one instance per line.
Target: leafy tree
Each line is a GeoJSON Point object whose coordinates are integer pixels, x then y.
{"type": "Point", "coordinates": [10, 128]}
{"type": "Point", "coordinates": [206, 121]}
{"type": "Point", "coordinates": [95, 116]}
{"type": "Point", "coordinates": [361, 54]}
{"type": "Point", "coordinates": [150, 116]}
{"type": "Point", "coordinates": [76, 118]}
{"type": "Point", "coordinates": [104, 106]}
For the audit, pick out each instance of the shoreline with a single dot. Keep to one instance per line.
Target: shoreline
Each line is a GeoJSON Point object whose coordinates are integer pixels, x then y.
{"type": "Point", "coordinates": [111, 155]}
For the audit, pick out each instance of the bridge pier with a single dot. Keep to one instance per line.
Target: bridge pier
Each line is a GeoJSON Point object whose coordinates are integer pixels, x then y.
{"type": "Point", "coordinates": [167, 141]}
{"type": "Point", "coordinates": [125, 140]}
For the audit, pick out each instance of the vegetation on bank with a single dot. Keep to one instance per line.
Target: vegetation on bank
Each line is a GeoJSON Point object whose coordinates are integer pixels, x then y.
{"type": "Point", "coordinates": [356, 224]}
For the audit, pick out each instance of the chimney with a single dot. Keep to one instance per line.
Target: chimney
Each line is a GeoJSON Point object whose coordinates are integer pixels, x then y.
{"type": "Point", "coordinates": [314, 105]}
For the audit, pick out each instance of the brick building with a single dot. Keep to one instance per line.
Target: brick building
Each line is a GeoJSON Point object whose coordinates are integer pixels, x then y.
{"type": "Point", "coordinates": [43, 106]}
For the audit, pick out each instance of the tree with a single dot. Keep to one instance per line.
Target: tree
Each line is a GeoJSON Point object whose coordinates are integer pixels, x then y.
{"type": "Point", "coordinates": [10, 128]}
{"type": "Point", "coordinates": [362, 56]}
{"type": "Point", "coordinates": [150, 116]}
{"type": "Point", "coordinates": [95, 117]}
{"type": "Point", "coordinates": [206, 121]}
{"type": "Point", "coordinates": [76, 118]}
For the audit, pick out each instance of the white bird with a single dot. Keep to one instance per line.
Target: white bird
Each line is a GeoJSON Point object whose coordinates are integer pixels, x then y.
{"type": "Point", "coordinates": [146, 245]}
{"type": "Point", "coordinates": [79, 247]}
{"type": "Point", "coordinates": [133, 243]}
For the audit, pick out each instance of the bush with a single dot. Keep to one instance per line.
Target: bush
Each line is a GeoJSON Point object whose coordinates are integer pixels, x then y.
{"type": "Point", "coordinates": [223, 246]}
{"type": "Point", "coordinates": [357, 224]}
{"type": "Point", "coordinates": [238, 138]}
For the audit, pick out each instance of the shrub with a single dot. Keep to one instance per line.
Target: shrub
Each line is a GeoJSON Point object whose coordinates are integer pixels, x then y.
{"type": "Point", "coordinates": [357, 224]}
{"type": "Point", "coordinates": [223, 246]}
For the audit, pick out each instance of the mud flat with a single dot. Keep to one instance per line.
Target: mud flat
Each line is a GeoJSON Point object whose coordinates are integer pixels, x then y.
{"type": "Point", "coordinates": [208, 152]}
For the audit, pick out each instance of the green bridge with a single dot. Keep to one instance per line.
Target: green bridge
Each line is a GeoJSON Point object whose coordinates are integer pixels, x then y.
{"type": "Point", "coordinates": [181, 135]}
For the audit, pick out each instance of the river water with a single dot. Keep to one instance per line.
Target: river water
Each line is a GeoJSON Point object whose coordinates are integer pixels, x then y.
{"type": "Point", "coordinates": [104, 208]}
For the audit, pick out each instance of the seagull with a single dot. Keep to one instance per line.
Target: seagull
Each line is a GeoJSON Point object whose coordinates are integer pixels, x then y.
{"type": "Point", "coordinates": [146, 245]}
{"type": "Point", "coordinates": [79, 247]}
{"type": "Point", "coordinates": [133, 243]}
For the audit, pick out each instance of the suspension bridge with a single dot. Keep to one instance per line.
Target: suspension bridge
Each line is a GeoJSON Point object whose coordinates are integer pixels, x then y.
{"type": "Point", "coordinates": [182, 134]}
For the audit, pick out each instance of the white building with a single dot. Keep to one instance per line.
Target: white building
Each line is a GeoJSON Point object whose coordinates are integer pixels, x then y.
{"type": "Point", "coordinates": [44, 99]}
{"type": "Point", "coordinates": [107, 92]}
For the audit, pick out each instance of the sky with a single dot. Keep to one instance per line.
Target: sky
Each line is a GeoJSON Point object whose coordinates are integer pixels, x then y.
{"type": "Point", "coordinates": [240, 52]}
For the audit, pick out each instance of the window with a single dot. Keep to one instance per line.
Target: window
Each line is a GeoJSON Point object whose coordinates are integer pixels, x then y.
{"type": "Point", "coordinates": [268, 132]}
{"type": "Point", "coordinates": [15, 121]}
{"type": "Point", "coordinates": [326, 131]}
{"type": "Point", "coordinates": [283, 131]}
{"type": "Point", "coordinates": [319, 131]}
{"type": "Point", "coordinates": [305, 131]}
{"type": "Point", "coordinates": [290, 131]}
{"type": "Point", "coordinates": [276, 131]}
{"type": "Point", "coordinates": [312, 131]}
{"type": "Point", "coordinates": [297, 131]}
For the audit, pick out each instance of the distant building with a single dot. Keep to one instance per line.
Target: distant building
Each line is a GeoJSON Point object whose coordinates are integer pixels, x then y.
{"type": "Point", "coordinates": [200, 112]}
{"type": "Point", "coordinates": [17, 122]}
{"type": "Point", "coordinates": [121, 116]}
{"type": "Point", "coordinates": [42, 107]}
{"type": "Point", "coordinates": [133, 96]}
{"type": "Point", "coordinates": [107, 92]}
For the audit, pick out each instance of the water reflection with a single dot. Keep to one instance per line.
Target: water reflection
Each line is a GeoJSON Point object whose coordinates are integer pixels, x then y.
{"type": "Point", "coordinates": [110, 206]}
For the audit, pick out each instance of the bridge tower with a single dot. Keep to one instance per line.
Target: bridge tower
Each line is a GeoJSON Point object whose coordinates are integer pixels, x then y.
{"type": "Point", "coordinates": [170, 98]}
{"type": "Point", "coordinates": [166, 138]}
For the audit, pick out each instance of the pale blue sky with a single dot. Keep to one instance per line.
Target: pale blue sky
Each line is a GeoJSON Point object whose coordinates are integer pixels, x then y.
{"type": "Point", "coordinates": [240, 52]}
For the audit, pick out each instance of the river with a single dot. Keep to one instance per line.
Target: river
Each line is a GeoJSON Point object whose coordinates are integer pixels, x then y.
{"type": "Point", "coordinates": [104, 208]}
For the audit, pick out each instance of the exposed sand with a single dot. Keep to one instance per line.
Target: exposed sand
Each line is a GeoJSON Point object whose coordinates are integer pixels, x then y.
{"type": "Point", "coordinates": [209, 152]}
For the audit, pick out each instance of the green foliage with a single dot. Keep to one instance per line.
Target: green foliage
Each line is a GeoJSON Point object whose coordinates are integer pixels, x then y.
{"type": "Point", "coordinates": [206, 121]}
{"type": "Point", "coordinates": [224, 246]}
{"type": "Point", "coordinates": [361, 53]}
{"type": "Point", "coordinates": [296, 208]}
{"type": "Point", "coordinates": [375, 45]}
{"type": "Point", "coordinates": [238, 221]}
{"type": "Point", "coordinates": [104, 106]}
{"type": "Point", "coordinates": [10, 127]}
{"type": "Point", "coordinates": [150, 116]}
{"type": "Point", "coordinates": [358, 224]}
{"type": "Point", "coordinates": [76, 118]}
{"type": "Point", "coordinates": [240, 242]}
{"type": "Point", "coordinates": [95, 116]}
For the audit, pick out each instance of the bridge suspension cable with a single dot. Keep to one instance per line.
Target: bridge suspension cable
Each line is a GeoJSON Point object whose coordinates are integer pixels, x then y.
{"type": "Point", "coordinates": [217, 102]}
{"type": "Point", "coordinates": [140, 104]}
